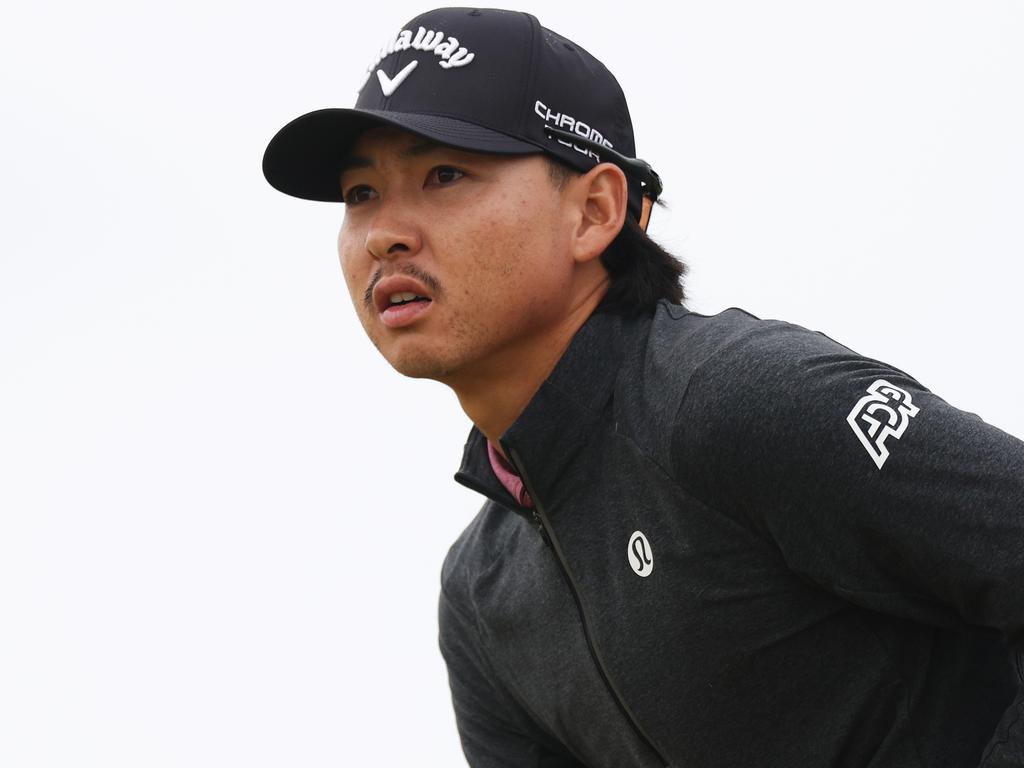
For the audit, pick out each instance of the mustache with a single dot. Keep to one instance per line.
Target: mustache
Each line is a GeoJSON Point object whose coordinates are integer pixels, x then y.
{"type": "Point", "coordinates": [406, 269]}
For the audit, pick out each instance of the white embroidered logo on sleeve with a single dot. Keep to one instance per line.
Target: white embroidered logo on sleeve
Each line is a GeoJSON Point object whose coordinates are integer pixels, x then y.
{"type": "Point", "coordinates": [883, 413]}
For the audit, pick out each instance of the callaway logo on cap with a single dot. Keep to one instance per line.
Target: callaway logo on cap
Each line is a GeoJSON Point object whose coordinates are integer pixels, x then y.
{"type": "Point", "coordinates": [482, 80]}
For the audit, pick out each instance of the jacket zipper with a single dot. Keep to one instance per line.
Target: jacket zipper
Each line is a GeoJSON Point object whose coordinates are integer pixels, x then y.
{"type": "Point", "coordinates": [548, 534]}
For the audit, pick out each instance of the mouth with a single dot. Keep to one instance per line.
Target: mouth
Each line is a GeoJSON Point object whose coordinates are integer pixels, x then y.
{"type": "Point", "coordinates": [400, 300]}
{"type": "Point", "coordinates": [403, 298]}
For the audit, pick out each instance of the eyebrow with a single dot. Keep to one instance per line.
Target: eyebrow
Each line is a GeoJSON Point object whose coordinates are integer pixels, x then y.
{"type": "Point", "coordinates": [420, 148]}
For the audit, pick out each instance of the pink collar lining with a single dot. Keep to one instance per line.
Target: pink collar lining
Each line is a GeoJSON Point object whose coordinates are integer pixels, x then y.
{"type": "Point", "coordinates": [507, 476]}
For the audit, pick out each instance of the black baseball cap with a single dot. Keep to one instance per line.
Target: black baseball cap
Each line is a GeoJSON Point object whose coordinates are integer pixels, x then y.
{"type": "Point", "coordinates": [478, 79]}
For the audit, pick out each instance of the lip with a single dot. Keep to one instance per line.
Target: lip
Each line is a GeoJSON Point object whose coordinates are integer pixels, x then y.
{"type": "Point", "coordinates": [395, 316]}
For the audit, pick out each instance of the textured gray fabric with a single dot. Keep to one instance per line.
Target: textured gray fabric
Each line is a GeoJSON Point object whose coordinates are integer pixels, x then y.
{"type": "Point", "coordinates": [806, 607]}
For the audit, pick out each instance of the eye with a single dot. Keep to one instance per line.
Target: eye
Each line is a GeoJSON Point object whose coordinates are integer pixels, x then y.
{"type": "Point", "coordinates": [443, 175]}
{"type": "Point", "coordinates": [360, 193]}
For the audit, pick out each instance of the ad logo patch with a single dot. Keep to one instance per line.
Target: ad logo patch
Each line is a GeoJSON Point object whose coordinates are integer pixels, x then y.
{"type": "Point", "coordinates": [641, 558]}
{"type": "Point", "coordinates": [883, 413]}
{"type": "Point", "coordinates": [389, 84]}
{"type": "Point", "coordinates": [450, 54]}
{"type": "Point", "coordinates": [569, 123]}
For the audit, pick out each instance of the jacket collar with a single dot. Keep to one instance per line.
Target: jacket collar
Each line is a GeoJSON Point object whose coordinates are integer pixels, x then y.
{"type": "Point", "coordinates": [569, 409]}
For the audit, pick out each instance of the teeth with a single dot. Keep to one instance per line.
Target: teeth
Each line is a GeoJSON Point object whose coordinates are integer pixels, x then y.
{"type": "Point", "coordinates": [398, 298]}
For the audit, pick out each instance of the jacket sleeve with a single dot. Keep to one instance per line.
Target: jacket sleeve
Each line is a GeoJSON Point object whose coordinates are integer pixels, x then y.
{"type": "Point", "coordinates": [870, 485]}
{"type": "Point", "coordinates": [493, 731]}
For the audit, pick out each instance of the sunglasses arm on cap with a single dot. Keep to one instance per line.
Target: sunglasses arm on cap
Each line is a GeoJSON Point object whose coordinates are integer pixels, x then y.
{"type": "Point", "coordinates": [634, 167]}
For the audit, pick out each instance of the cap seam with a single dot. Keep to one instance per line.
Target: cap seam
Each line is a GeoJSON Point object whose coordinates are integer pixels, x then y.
{"type": "Point", "coordinates": [532, 56]}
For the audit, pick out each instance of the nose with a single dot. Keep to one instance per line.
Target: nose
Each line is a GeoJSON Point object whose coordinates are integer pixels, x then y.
{"type": "Point", "coordinates": [392, 233]}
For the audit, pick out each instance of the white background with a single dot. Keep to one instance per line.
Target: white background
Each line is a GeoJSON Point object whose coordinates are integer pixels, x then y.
{"type": "Point", "coordinates": [222, 517]}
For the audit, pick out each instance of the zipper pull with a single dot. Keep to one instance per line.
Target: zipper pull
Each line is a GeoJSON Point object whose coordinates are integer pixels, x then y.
{"type": "Point", "coordinates": [540, 527]}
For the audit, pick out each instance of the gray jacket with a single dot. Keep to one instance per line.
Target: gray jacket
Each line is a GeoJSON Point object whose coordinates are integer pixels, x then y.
{"type": "Point", "coordinates": [751, 547]}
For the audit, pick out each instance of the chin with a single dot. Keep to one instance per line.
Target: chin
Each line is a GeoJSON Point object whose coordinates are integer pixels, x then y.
{"type": "Point", "coordinates": [419, 365]}
{"type": "Point", "coordinates": [409, 359]}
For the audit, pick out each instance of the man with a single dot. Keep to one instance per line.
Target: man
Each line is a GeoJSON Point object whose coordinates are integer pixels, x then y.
{"type": "Point", "coordinates": [707, 540]}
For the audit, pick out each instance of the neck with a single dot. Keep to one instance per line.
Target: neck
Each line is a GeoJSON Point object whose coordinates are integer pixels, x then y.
{"type": "Point", "coordinates": [496, 393]}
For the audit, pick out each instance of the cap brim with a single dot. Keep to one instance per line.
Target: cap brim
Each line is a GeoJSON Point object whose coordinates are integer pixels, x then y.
{"type": "Point", "coordinates": [304, 159]}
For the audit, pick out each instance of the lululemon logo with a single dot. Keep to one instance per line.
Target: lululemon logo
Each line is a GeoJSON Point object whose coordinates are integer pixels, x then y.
{"type": "Point", "coordinates": [641, 558]}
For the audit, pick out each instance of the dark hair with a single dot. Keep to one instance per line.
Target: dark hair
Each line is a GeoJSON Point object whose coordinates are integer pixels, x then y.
{"type": "Point", "coordinates": [641, 271]}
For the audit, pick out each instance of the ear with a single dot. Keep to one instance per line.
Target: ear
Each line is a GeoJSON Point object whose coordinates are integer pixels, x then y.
{"type": "Point", "coordinates": [599, 199]}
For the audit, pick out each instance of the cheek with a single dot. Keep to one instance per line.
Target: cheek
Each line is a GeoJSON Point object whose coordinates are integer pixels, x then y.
{"type": "Point", "coordinates": [509, 238]}
{"type": "Point", "coordinates": [355, 265]}
{"type": "Point", "coordinates": [526, 245]}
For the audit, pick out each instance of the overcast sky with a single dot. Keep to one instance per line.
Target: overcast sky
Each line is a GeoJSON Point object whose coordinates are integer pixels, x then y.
{"type": "Point", "coordinates": [222, 516]}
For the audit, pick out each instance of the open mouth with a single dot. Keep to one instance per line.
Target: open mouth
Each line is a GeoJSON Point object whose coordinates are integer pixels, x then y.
{"type": "Point", "coordinates": [403, 307]}
{"type": "Point", "coordinates": [401, 299]}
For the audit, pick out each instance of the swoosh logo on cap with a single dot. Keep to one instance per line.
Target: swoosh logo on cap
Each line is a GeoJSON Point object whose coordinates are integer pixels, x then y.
{"type": "Point", "coordinates": [389, 84]}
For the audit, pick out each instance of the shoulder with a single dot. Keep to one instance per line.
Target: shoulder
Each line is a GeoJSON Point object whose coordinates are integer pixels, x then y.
{"type": "Point", "coordinates": [682, 347]}
{"type": "Point", "coordinates": [477, 550]}
{"type": "Point", "coordinates": [781, 412]}
{"type": "Point", "coordinates": [733, 337]}
{"type": "Point", "coordinates": [736, 397]}
{"type": "Point", "coordinates": [734, 360]}
{"type": "Point", "coordinates": [692, 371]}
{"type": "Point", "coordinates": [773, 371]}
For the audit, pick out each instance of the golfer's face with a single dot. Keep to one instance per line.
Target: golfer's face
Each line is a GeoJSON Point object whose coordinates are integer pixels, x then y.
{"type": "Point", "coordinates": [452, 258]}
